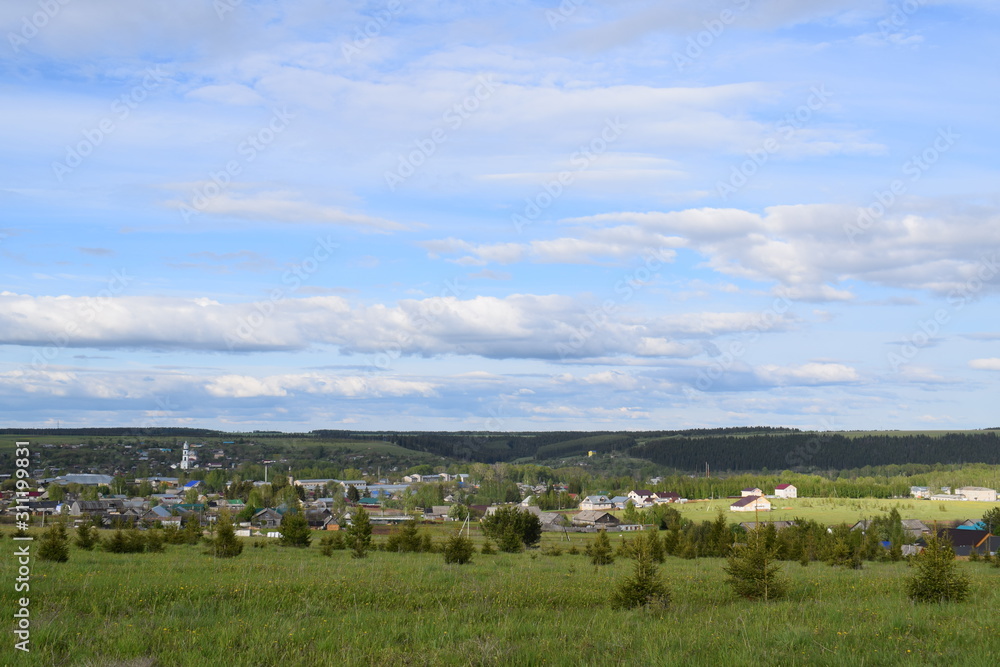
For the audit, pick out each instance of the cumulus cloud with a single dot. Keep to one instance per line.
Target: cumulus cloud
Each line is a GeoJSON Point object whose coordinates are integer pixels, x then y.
{"type": "Point", "coordinates": [147, 386]}
{"type": "Point", "coordinates": [519, 325]}
{"type": "Point", "coordinates": [809, 249]}
{"type": "Point", "coordinates": [809, 374]}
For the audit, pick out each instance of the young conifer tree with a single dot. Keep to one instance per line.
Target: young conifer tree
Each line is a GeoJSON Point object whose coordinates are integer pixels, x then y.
{"type": "Point", "coordinates": [753, 570]}
{"type": "Point", "coordinates": [937, 578]}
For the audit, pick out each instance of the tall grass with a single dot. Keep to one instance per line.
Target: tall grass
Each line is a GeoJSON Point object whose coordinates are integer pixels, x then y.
{"type": "Point", "coordinates": [298, 607]}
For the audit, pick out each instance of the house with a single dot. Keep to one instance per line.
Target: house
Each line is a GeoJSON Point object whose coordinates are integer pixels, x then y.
{"type": "Point", "coordinates": [619, 502]}
{"type": "Point", "coordinates": [81, 507]}
{"type": "Point", "coordinates": [751, 504]}
{"type": "Point", "coordinates": [979, 493]}
{"type": "Point", "coordinates": [233, 506]}
{"type": "Point", "coordinates": [595, 518]}
{"type": "Point", "coordinates": [752, 491]}
{"type": "Point", "coordinates": [920, 491]}
{"type": "Point", "coordinates": [641, 498]}
{"type": "Point", "coordinates": [592, 503]}
{"type": "Point", "coordinates": [158, 513]}
{"type": "Point", "coordinates": [266, 518]}
{"type": "Point", "coordinates": [914, 528]}
{"type": "Point", "coordinates": [666, 497]}
{"type": "Point", "coordinates": [550, 520]}
{"type": "Point", "coordinates": [963, 542]}
{"type": "Point", "coordinates": [318, 519]}
{"type": "Point", "coordinates": [786, 491]}
{"type": "Point", "coordinates": [437, 512]}
{"type": "Point", "coordinates": [778, 525]}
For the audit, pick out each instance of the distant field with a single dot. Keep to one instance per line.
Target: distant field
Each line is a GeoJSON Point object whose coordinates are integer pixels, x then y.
{"type": "Point", "coordinates": [279, 606]}
{"type": "Point", "coordinates": [930, 434]}
{"type": "Point", "coordinates": [840, 510]}
{"type": "Point", "coordinates": [7, 443]}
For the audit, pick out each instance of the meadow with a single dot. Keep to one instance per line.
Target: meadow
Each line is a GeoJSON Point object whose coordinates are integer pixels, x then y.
{"type": "Point", "coordinates": [831, 511]}
{"type": "Point", "coordinates": [285, 606]}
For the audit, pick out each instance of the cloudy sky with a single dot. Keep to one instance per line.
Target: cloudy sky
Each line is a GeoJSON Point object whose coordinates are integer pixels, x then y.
{"type": "Point", "coordinates": [411, 214]}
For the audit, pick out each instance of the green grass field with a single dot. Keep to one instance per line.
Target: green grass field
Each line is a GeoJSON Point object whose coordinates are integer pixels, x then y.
{"type": "Point", "coordinates": [278, 606]}
{"type": "Point", "coordinates": [839, 510]}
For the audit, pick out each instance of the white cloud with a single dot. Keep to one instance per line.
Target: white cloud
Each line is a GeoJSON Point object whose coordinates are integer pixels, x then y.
{"type": "Point", "coordinates": [809, 249]}
{"type": "Point", "coordinates": [277, 206]}
{"type": "Point", "coordinates": [991, 364]}
{"type": "Point", "coordinates": [809, 374]}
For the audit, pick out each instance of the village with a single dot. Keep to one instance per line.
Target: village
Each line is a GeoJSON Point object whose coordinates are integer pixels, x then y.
{"type": "Point", "coordinates": [257, 507]}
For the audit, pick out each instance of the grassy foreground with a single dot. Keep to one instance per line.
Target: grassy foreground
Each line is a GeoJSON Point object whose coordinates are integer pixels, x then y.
{"type": "Point", "coordinates": [296, 607]}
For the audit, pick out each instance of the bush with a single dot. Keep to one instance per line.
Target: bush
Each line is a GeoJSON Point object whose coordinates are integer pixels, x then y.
{"type": "Point", "coordinates": [513, 528]}
{"type": "Point", "coordinates": [154, 541]}
{"type": "Point", "coordinates": [458, 550]}
{"type": "Point", "coordinates": [192, 532]}
{"type": "Point", "coordinates": [600, 550]}
{"type": "Point", "coordinates": [553, 550]}
{"type": "Point", "coordinates": [407, 539]}
{"type": "Point", "coordinates": [643, 586]}
{"type": "Point", "coordinates": [359, 534]}
{"type": "Point", "coordinates": [753, 570]}
{"type": "Point", "coordinates": [128, 541]}
{"type": "Point", "coordinates": [937, 578]}
{"type": "Point", "coordinates": [86, 537]}
{"type": "Point", "coordinates": [487, 549]}
{"type": "Point", "coordinates": [294, 530]}
{"type": "Point", "coordinates": [55, 544]}
{"type": "Point", "coordinates": [226, 544]}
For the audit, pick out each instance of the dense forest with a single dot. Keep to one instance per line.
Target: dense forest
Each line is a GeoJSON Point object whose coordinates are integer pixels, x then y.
{"type": "Point", "coordinates": [818, 451]}
{"type": "Point", "coordinates": [721, 450]}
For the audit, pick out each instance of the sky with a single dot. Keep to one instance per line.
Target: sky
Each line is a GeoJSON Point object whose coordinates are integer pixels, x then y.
{"type": "Point", "coordinates": [423, 215]}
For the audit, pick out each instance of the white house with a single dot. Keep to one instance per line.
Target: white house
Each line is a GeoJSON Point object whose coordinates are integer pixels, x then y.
{"type": "Point", "coordinates": [640, 496]}
{"type": "Point", "coordinates": [596, 503]}
{"type": "Point", "coordinates": [753, 491]}
{"type": "Point", "coordinates": [751, 504]}
{"type": "Point", "coordinates": [786, 491]}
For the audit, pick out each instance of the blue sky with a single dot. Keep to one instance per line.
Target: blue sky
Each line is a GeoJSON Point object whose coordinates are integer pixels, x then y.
{"type": "Point", "coordinates": [500, 216]}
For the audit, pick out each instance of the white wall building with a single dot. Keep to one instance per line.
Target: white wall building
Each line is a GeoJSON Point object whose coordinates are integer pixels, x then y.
{"type": "Point", "coordinates": [980, 493]}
